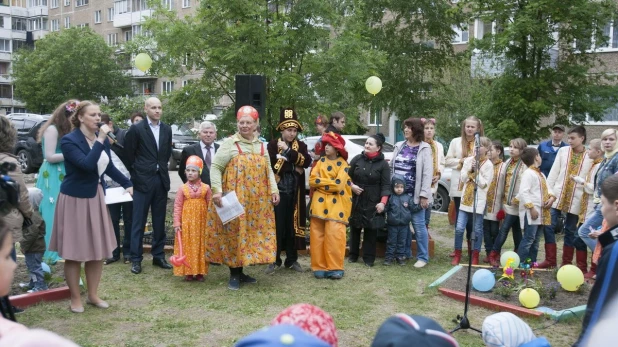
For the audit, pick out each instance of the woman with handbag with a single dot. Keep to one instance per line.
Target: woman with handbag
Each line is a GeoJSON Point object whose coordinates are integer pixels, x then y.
{"type": "Point", "coordinates": [370, 175]}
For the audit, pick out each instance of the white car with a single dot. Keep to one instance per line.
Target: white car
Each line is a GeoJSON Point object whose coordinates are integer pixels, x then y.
{"type": "Point", "coordinates": [354, 144]}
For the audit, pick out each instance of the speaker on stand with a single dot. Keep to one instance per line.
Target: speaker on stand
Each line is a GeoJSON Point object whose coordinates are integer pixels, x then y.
{"type": "Point", "coordinates": [251, 91]}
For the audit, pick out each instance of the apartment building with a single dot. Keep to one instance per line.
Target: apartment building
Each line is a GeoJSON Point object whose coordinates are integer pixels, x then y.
{"type": "Point", "coordinates": [118, 22]}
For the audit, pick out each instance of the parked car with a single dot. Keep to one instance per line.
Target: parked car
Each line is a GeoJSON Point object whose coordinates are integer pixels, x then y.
{"type": "Point", "coordinates": [354, 144]}
{"type": "Point", "coordinates": [182, 136]}
{"type": "Point", "coordinates": [27, 149]}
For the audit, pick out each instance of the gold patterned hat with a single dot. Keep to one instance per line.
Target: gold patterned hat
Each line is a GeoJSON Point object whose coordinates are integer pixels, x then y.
{"type": "Point", "coordinates": [288, 119]}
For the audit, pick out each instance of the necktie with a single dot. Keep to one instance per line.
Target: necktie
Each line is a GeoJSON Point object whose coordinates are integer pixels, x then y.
{"type": "Point", "coordinates": [207, 158]}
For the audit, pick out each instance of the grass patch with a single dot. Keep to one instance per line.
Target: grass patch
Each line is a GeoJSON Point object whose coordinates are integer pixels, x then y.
{"type": "Point", "coordinates": [157, 309]}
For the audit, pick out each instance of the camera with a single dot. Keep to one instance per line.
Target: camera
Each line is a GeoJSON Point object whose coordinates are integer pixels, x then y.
{"type": "Point", "coordinates": [9, 190]}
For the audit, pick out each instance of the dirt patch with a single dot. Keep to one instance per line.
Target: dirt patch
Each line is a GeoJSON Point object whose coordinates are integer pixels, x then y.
{"type": "Point", "coordinates": [563, 299]}
{"type": "Point", "coordinates": [55, 280]}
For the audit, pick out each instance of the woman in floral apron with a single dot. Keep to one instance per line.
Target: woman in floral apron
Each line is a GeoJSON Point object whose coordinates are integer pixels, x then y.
{"type": "Point", "coordinates": [242, 165]}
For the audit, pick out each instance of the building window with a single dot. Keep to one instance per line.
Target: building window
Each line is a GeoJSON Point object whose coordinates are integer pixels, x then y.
{"type": "Point", "coordinates": [110, 14]}
{"type": "Point", "coordinates": [83, 25]}
{"type": "Point", "coordinates": [19, 24]}
{"type": "Point", "coordinates": [137, 30]}
{"type": "Point", "coordinates": [610, 117]}
{"type": "Point", "coordinates": [375, 116]}
{"type": "Point", "coordinates": [37, 24]}
{"type": "Point", "coordinates": [1, 21]}
{"type": "Point", "coordinates": [148, 88]}
{"type": "Point", "coordinates": [97, 17]}
{"type": "Point", "coordinates": [81, 3]}
{"type": "Point", "coordinates": [186, 3]}
{"type": "Point", "coordinates": [67, 22]}
{"type": "Point", "coordinates": [55, 25]}
{"type": "Point", "coordinates": [112, 39]}
{"type": "Point", "coordinates": [169, 4]}
{"type": "Point", "coordinates": [140, 5]}
{"type": "Point", "coordinates": [5, 45]}
{"type": "Point", "coordinates": [6, 91]}
{"type": "Point", "coordinates": [33, 3]}
{"type": "Point", "coordinates": [54, 4]}
{"type": "Point", "coordinates": [128, 35]}
{"type": "Point", "coordinates": [184, 83]}
{"type": "Point", "coordinates": [167, 86]}
{"type": "Point", "coordinates": [18, 44]}
{"type": "Point", "coordinates": [461, 35]}
{"type": "Point", "coordinates": [67, 2]}
{"type": "Point", "coordinates": [121, 7]}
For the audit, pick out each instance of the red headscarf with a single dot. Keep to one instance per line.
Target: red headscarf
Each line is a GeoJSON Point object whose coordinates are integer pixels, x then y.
{"type": "Point", "coordinates": [311, 319]}
{"type": "Point", "coordinates": [247, 111]}
{"type": "Point", "coordinates": [336, 141]}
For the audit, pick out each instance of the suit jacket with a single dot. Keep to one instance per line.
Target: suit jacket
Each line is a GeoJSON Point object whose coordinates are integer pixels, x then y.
{"type": "Point", "coordinates": [195, 149]}
{"type": "Point", "coordinates": [80, 161]}
{"type": "Point", "coordinates": [142, 154]}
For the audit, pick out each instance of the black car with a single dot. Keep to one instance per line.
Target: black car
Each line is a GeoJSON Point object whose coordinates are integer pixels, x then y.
{"type": "Point", "coordinates": [182, 136]}
{"type": "Point", "coordinates": [27, 148]}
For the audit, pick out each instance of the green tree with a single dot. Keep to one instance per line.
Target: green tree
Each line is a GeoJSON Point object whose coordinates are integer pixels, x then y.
{"type": "Point", "coordinates": [73, 63]}
{"type": "Point", "coordinates": [314, 58]}
{"type": "Point", "coordinates": [543, 48]}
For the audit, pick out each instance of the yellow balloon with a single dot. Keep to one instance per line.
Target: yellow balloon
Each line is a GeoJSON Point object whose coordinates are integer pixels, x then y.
{"type": "Point", "coordinates": [143, 62]}
{"type": "Point", "coordinates": [373, 85]}
{"type": "Point", "coordinates": [570, 277]}
{"type": "Point", "coordinates": [529, 298]}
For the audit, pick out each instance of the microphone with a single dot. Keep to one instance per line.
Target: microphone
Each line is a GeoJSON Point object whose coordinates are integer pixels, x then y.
{"type": "Point", "coordinates": [111, 136]}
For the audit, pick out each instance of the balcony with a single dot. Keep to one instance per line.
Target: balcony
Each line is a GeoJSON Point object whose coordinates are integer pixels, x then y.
{"type": "Point", "coordinates": [38, 11]}
{"type": "Point", "coordinates": [5, 56]}
{"type": "Point", "coordinates": [19, 11]}
{"type": "Point", "coordinates": [127, 19]}
{"type": "Point", "coordinates": [138, 74]}
{"type": "Point", "coordinates": [488, 65]}
{"type": "Point", "coordinates": [6, 33]}
{"type": "Point", "coordinates": [5, 78]}
{"type": "Point", "coordinates": [5, 9]}
{"type": "Point", "coordinates": [39, 34]}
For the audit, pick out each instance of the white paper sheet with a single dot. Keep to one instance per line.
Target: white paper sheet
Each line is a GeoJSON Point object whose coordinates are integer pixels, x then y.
{"type": "Point", "coordinates": [116, 195]}
{"type": "Point", "coordinates": [231, 208]}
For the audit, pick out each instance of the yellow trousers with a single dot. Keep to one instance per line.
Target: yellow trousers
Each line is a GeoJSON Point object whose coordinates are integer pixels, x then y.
{"type": "Point", "coordinates": [327, 239]}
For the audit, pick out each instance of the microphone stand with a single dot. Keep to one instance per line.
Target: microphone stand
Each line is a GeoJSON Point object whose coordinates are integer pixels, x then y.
{"type": "Point", "coordinates": [462, 320]}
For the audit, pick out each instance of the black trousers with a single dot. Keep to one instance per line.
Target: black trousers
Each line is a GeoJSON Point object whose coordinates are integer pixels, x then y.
{"type": "Point", "coordinates": [284, 222]}
{"type": "Point", "coordinates": [122, 210]}
{"type": "Point", "coordinates": [491, 229]}
{"type": "Point", "coordinates": [369, 244]}
{"type": "Point", "coordinates": [156, 200]}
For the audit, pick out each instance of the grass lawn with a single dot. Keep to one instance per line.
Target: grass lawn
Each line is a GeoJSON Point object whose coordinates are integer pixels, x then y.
{"type": "Point", "coordinates": [157, 309]}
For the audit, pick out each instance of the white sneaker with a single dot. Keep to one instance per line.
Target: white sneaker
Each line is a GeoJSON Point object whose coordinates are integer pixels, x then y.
{"type": "Point", "coordinates": [420, 264]}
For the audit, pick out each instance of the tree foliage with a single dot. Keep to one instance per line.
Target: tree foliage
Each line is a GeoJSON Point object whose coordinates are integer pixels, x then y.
{"type": "Point", "coordinates": [544, 48]}
{"type": "Point", "coordinates": [73, 63]}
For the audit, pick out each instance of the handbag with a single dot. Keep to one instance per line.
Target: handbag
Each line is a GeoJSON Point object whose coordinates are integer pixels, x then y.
{"type": "Point", "coordinates": [452, 214]}
{"type": "Point", "coordinates": [378, 221]}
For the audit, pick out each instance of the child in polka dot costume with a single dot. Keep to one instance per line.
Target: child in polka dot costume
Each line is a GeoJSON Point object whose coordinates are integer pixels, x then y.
{"type": "Point", "coordinates": [330, 209]}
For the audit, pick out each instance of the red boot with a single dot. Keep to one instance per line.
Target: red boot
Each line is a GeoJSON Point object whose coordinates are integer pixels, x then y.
{"type": "Point", "coordinates": [550, 256]}
{"type": "Point", "coordinates": [567, 255]}
{"type": "Point", "coordinates": [593, 271]}
{"type": "Point", "coordinates": [457, 257]}
{"type": "Point", "coordinates": [581, 258]}
{"type": "Point", "coordinates": [475, 257]}
{"type": "Point", "coordinates": [452, 254]}
{"type": "Point", "coordinates": [494, 258]}
{"type": "Point", "coordinates": [486, 259]}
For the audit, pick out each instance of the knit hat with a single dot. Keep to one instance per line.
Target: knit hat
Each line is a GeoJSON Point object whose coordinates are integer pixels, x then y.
{"type": "Point", "coordinates": [311, 319]}
{"type": "Point", "coordinates": [288, 119]}
{"type": "Point", "coordinates": [505, 329]}
{"type": "Point", "coordinates": [336, 141]}
{"type": "Point", "coordinates": [402, 330]}
{"type": "Point", "coordinates": [195, 162]}
{"type": "Point", "coordinates": [283, 335]}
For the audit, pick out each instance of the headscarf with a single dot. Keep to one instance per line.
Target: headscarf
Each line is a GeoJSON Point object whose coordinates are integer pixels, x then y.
{"type": "Point", "coordinates": [336, 141]}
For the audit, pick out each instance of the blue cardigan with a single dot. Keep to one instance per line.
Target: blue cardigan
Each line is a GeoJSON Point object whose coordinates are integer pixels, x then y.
{"type": "Point", "coordinates": [80, 162]}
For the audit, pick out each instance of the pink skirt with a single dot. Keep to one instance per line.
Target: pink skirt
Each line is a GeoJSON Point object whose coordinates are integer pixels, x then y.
{"type": "Point", "coordinates": [82, 229]}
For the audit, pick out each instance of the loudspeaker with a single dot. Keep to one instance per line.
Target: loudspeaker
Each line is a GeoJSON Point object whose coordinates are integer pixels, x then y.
{"type": "Point", "coordinates": [251, 90]}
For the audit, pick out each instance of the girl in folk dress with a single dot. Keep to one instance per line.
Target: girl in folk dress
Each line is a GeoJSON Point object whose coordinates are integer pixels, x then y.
{"type": "Point", "coordinates": [491, 224]}
{"type": "Point", "coordinates": [190, 210]}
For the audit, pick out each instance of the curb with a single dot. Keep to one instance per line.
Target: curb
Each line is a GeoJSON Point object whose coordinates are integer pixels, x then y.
{"type": "Point", "coordinates": [491, 304]}
{"type": "Point", "coordinates": [25, 300]}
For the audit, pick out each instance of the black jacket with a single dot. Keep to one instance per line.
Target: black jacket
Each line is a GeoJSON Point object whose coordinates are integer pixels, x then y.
{"type": "Point", "coordinates": [120, 136]}
{"type": "Point", "coordinates": [398, 209]}
{"type": "Point", "coordinates": [606, 285]}
{"type": "Point", "coordinates": [142, 154]}
{"type": "Point", "coordinates": [194, 149]}
{"type": "Point", "coordinates": [373, 175]}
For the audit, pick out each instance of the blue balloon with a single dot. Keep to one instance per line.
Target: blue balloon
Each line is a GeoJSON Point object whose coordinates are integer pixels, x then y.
{"type": "Point", "coordinates": [46, 268]}
{"type": "Point", "coordinates": [483, 280]}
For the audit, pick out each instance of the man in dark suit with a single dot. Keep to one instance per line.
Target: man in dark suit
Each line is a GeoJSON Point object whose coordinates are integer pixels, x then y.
{"type": "Point", "coordinates": [204, 149]}
{"type": "Point", "coordinates": [148, 147]}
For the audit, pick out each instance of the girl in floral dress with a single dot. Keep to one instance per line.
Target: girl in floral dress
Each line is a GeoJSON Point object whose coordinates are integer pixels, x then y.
{"type": "Point", "coordinates": [190, 209]}
{"type": "Point", "coordinates": [52, 171]}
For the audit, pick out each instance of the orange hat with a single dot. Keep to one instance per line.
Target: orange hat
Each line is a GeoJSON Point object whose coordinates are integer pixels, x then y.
{"type": "Point", "coordinates": [195, 162]}
{"type": "Point", "coordinates": [336, 141]}
{"type": "Point", "coordinates": [247, 111]}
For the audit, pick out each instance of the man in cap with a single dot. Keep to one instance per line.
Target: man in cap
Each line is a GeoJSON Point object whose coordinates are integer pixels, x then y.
{"type": "Point", "coordinates": [289, 158]}
{"type": "Point", "coordinates": [549, 149]}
